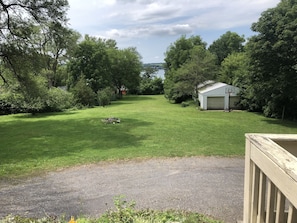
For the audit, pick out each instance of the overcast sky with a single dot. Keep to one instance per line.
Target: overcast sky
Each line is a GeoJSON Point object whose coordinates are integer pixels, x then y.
{"type": "Point", "coordinates": [152, 25]}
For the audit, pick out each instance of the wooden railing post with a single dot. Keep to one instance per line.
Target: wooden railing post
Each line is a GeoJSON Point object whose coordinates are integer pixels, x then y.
{"type": "Point", "coordinates": [270, 182]}
{"type": "Point", "coordinates": [270, 202]}
{"type": "Point", "coordinates": [247, 183]}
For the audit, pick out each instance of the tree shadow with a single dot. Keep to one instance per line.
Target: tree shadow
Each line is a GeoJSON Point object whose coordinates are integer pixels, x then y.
{"type": "Point", "coordinates": [132, 99]}
{"type": "Point", "coordinates": [275, 121]}
{"type": "Point", "coordinates": [46, 140]}
{"type": "Point", "coordinates": [43, 115]}
{"type": "Point", "coordinates": [284, 123]}
{"type": "Point", "coordinates": [139, 98]}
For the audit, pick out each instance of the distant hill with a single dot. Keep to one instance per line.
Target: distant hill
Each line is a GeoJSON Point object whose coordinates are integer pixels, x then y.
{"type": "Point", "coordinates": [159, 66]}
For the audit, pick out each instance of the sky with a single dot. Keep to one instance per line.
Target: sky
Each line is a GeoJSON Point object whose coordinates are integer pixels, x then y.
{"type": "Point", "coordinates": [152, 25]}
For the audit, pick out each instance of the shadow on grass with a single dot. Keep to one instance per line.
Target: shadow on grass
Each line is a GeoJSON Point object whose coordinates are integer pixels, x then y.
{"type": "Point", "coordinates": [46, 140]}
{"type": "Point", "coordinates": [43, 115]}
{"type": "Point", "coordinates": [274, 121]}
{"type": "Point", "coordinates": [138, 97]}
{"type": "Point", "coordinates": [130, 99]}
{"type": "Point", "coordinates": [285, 123]}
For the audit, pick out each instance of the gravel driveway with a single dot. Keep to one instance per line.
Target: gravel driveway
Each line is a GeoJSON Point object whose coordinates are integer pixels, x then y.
{"type": "Point", "coordinates": [208, 185]}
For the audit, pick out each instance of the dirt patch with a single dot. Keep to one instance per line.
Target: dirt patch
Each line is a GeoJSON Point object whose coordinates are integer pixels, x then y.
{"type": "Point", "coordinates": [208, 185]}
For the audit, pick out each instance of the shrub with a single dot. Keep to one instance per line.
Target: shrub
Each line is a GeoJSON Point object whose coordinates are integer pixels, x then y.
{"type": "Point", "coordinates": [53, 100]}
{"type": "Point", "coordinates": [185, 104]}
{"type": "Point", "coordinates": [105, 96]}
{"type": "Point", "coordinates": [151, 86]}
{"type": "Point", "coordinates": [83, 93]}
{"type": "Point", "coordinates": [125, 211]}
{"type": "Point", "coordinates": [11, 103]}
{"type": "Point", "coordinates": [59, 100]}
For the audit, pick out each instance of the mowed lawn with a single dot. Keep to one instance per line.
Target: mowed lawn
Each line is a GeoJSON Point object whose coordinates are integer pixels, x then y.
{"type": "Point", "coordinates": [150, 127]}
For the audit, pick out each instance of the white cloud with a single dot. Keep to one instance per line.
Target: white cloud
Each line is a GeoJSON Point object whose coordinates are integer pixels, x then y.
{"type": "Point", "coordinates": [163, 17]}
{"type": "Point", "coordinates": [125, 20]}
{"type": "Point", "coordinates": [171, 30]}
{"type": "Point", "coordinates": [156, 12]}
{"type": "Point", "coordinates": [153, 30]}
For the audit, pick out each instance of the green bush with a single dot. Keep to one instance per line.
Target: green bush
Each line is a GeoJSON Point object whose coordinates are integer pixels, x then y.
{"type": "Point", "coordinates": [125, 211]}
{"type": "Point", "coordinates": [185, 104]}
{"type": "Point", "coordinates": [59, 100]}
{"type": "Point", "coordinates": [11, 103]}
{"type": "Point", "coordinates": [105, 96]}
{"type": "Point", "coordinates": [53, 100]}
{"type": "Point", "coordinates": [83, 93]}
{"type": "Point", "coordinates": [29, 96]}
{"type": "Point", "coordinates": [151, 86]}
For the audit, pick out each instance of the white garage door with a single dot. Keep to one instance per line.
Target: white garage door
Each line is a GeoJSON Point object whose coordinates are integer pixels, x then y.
{"type": "Point", "coordinates": [215, 103]}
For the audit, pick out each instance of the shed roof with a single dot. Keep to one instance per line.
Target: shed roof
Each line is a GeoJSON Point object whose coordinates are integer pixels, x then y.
{"type": "Point", "coordinates": [211, 87]}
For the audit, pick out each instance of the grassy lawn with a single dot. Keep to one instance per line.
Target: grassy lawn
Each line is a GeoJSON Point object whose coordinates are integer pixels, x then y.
{"type": "Point", "coordinates": [150, 127]}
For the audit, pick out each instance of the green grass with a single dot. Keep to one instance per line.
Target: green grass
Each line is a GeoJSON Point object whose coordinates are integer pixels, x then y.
{"type": "Point", "coordinates": [150, 127]}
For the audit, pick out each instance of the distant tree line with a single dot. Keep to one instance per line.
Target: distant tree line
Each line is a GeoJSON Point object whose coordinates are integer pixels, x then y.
{"type": "Point", "coordinates": [264, 66]}
{"type": "Point", "coordinates": [157, 66]}
{"type": "Point", "coordinates": [46, 66]}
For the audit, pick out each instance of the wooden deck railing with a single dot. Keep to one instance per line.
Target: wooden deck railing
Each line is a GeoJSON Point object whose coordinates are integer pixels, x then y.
{"type": "Point", "coordinates": [270, 184]}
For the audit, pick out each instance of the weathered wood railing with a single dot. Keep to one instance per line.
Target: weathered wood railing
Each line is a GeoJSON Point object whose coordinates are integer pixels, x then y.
{"type": "Point", "coordinates": [270, 193]}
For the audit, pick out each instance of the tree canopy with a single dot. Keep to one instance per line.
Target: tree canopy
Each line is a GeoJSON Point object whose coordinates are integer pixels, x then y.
{"type": "Point", "coordinates": [273, 55]}
{"type": "Point", "coordinates": [228, 43]}
{"type": "Point", "coordinates": [37, 47]}
{"type": "Point", "coordinates": [234, 69]}
{"type": "Point", "coordinates": [33, 38]}
{"type": "Point", "coordinates": [91, 61]}
{"type": "Point", "coordinates": [125, 68]}
{"type": "Point", "coordinates": [102, 65]}
{"type": "Point", "coordinates": [188, 64]}
{"type": "Point", "coordinates": [19, 23]}
{"type": "Point", "coordinates": [17, 18]}
{"type": "Point", "coordinates": [179, 52]}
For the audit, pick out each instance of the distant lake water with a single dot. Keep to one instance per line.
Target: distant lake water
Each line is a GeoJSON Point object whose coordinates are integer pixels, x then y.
{"type": "Point", "coordinates": [160, 74]}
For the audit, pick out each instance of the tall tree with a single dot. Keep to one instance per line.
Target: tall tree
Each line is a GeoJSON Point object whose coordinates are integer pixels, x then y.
{"type": "Point", "coordinates": [273, 54]}
{"type": "Point", "coordinates": [179, 52]}
{"type": "Point", "coordinates": [20, 52]}
{"type": "Point", "coordinates": [126, 67]}
{"type": "Point", "coordinates": [176, 56]}
{"type": "Point", "coordinates": [91, 61]}
{"type": "Point", "coordinates": [234, 69]}
{"type": "Point", "coordinates": [18, 22]}
{"type": "Point", "coordinates": [228, 43]}
{"type": "Point", "coordinates": [57, 45]}
{"type": "Point", "coordinates": [199, 68]}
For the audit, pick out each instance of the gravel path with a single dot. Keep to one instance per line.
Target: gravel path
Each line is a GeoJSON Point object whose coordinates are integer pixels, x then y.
{"type": "Point", "coordinates": [208, 185]}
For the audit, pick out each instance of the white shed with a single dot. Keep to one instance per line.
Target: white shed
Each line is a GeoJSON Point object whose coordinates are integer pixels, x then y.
{"type": "Point", "coordinates": [218, 96]}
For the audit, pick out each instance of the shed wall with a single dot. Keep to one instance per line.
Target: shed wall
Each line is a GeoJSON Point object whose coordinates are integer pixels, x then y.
{"type": "Point", "coordinates": [220, 96]}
